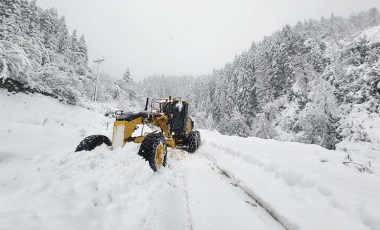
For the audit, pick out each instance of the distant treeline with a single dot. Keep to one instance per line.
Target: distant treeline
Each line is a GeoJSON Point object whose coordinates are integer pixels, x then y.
{"type": "Point", "coordinates": [297, 84]}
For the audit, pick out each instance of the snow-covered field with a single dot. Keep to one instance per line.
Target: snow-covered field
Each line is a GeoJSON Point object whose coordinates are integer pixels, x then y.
{"type": "Point", "coordinates": [45, 185]}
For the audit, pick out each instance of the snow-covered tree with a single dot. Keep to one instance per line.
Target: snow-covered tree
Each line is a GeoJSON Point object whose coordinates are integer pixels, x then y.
{"type": "Point", "coordinates": [127, 76]}
{"type": "Point", "coordinates": [318, 119]}
{"type": "Point", "coordinates": [82, 50]}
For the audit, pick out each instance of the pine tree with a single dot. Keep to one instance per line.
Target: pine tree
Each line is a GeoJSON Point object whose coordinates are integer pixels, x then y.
{"type": "Point", "coordinates": [82, 50]}
{"type": "Point", "coordinates": [34, 25]}
{"type": "Point", "coordinates": [25, 16]}
{"type": "Point", "coordinates": [64, 40]}
{"type": "Point", "coordinates": [73, 55]}
{"type": "Point", "coordinates": [264, 90]}
{"type": "Point", "coordinates": [127, 76]}
{"type": "Point", "coordinates": [10, 8]}
{"type": "Point", "coordinates": [284, 48]}
{"type": "Point", "coordinates": [374, 16]}
{"type": "Point", "coordinates": [10, 16]}
{"type": "Point", "coordinates": [50, 24]}
{"type": "Point", "coordinates": [246, 94]}
{"type": "Point", "coordinates": [74, 41]}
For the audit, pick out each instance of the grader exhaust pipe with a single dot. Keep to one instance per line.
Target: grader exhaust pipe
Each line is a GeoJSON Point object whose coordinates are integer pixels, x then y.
{"type": "Point", "coordinates": [147, 103]}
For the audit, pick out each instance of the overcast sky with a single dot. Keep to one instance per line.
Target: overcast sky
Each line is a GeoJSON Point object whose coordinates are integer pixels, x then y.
{"type": "Point", "coordinates": [177, 37]}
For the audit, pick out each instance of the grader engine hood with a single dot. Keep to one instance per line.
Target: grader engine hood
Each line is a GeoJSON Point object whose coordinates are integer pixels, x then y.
{"type": "Point", "coordinates": [130, 116]}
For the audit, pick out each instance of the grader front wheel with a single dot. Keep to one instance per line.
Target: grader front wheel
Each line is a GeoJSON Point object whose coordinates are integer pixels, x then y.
{"type": "Point", "coordinates": [153, 149]}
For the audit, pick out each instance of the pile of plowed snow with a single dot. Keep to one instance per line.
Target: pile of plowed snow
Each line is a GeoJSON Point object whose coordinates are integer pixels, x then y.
{"type": "Point", "coordinates": [101, 189]}
{"type": "Point", "coordinates": [46, 185]}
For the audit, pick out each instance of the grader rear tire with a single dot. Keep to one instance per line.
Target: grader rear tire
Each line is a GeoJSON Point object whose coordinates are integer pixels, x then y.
{"type": "Point", "coordinates": [193, 141]}
{"type": "Point", "coordinates": [153, 149]}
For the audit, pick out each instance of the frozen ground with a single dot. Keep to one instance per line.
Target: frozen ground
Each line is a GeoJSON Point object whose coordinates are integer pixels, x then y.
{"type": "Point", "coordinates": [45, 185]}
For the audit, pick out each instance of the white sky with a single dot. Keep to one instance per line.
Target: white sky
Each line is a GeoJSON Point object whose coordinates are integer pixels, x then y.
{"type": "Point", "coordinates": [176, 37]}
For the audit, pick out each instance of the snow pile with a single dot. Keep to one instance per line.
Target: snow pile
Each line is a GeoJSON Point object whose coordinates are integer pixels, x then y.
{"type": "Point", "coordinates": [304, 186]}
{"type": "Point", "coordinates": [32, 123]}
{"type": "Point", "coordinates": [45, 185]}
{"type": "Point", "coordinates": [101, 189]}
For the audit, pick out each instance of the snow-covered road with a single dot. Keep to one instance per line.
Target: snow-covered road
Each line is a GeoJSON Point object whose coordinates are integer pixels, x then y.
{"type": "Point", "coordinates": [105, 189]}
{"type": "Point", "coordinates": [45, 185]}
{"type": "Point", "coordinates": [214, 200]}
{"type": "Point", "coordinates": [229, 183]}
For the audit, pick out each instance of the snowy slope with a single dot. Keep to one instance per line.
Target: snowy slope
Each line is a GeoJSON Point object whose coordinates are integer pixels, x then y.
{"type": "Point", "coordinates": [372, 34]}
{"type": "Point", "coordinates": [305, 186]}
{"type": "Point", "coordinates": [45, 185]}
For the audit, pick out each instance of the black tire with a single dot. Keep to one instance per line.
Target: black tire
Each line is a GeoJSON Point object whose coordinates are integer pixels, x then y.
{"type": "Point", "coordinates": [153, 149]}
{"type": "Point", "coordinates": [193, 141]}
{"type": "Point", "coordinates": [91, 142]}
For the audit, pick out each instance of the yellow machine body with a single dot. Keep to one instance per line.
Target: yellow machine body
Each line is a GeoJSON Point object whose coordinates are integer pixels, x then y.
{"type": "Point", "coordinates": [171, 125]}
{"type": "Point", "coordinates": [123, 129]}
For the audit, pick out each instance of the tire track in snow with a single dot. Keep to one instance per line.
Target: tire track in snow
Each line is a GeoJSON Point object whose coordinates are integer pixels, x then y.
{"type": "Point", "coordinates": [178, 155]}
{"type": "Point", "coordinates": [236, 183]}
{"type": "Point", "coordinates": [187, 204]}
{"type": "Point", "coordinates": [214, 195]}
{"type": "Point", "coordinates": [248, 191]}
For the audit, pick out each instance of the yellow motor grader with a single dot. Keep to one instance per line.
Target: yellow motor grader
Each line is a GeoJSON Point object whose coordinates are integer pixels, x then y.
{"type": "Point", "coordinates": [171, 125]}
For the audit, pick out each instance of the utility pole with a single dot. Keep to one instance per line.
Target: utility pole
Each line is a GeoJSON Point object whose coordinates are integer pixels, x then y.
{"type": "Point", "coordinates": [97, 76]}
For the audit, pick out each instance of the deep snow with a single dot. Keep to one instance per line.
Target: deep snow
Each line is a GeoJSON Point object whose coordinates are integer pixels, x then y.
{"type": "Point", "coordinates": [45, 185]}
{"type": "Point", "coordinates": [305, 186]}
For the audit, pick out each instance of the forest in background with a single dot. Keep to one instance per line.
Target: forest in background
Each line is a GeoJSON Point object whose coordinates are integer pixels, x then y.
{"type": "Point", "coordinates": [38, 51]}
{"type": "Point", "coordinates": [302, 83]}
{"type": "Point", "coordinates": [298, 84]}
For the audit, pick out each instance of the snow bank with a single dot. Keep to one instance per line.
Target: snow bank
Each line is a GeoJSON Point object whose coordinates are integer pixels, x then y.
{"type": "Point", "coordinates": [305, 186]}
{"type": "Point", "coordinates": [35, 122]}
{"type": "Point", "coordinates": [45, 185]}
{"type": "Point", "coordinates": [100, 189]}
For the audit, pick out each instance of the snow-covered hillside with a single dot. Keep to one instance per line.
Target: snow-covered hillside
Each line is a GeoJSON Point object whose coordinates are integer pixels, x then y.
{"type": "Point", "coordinates": [46, 185]}
{"type": "Point", "coordinates": [372, 34]}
